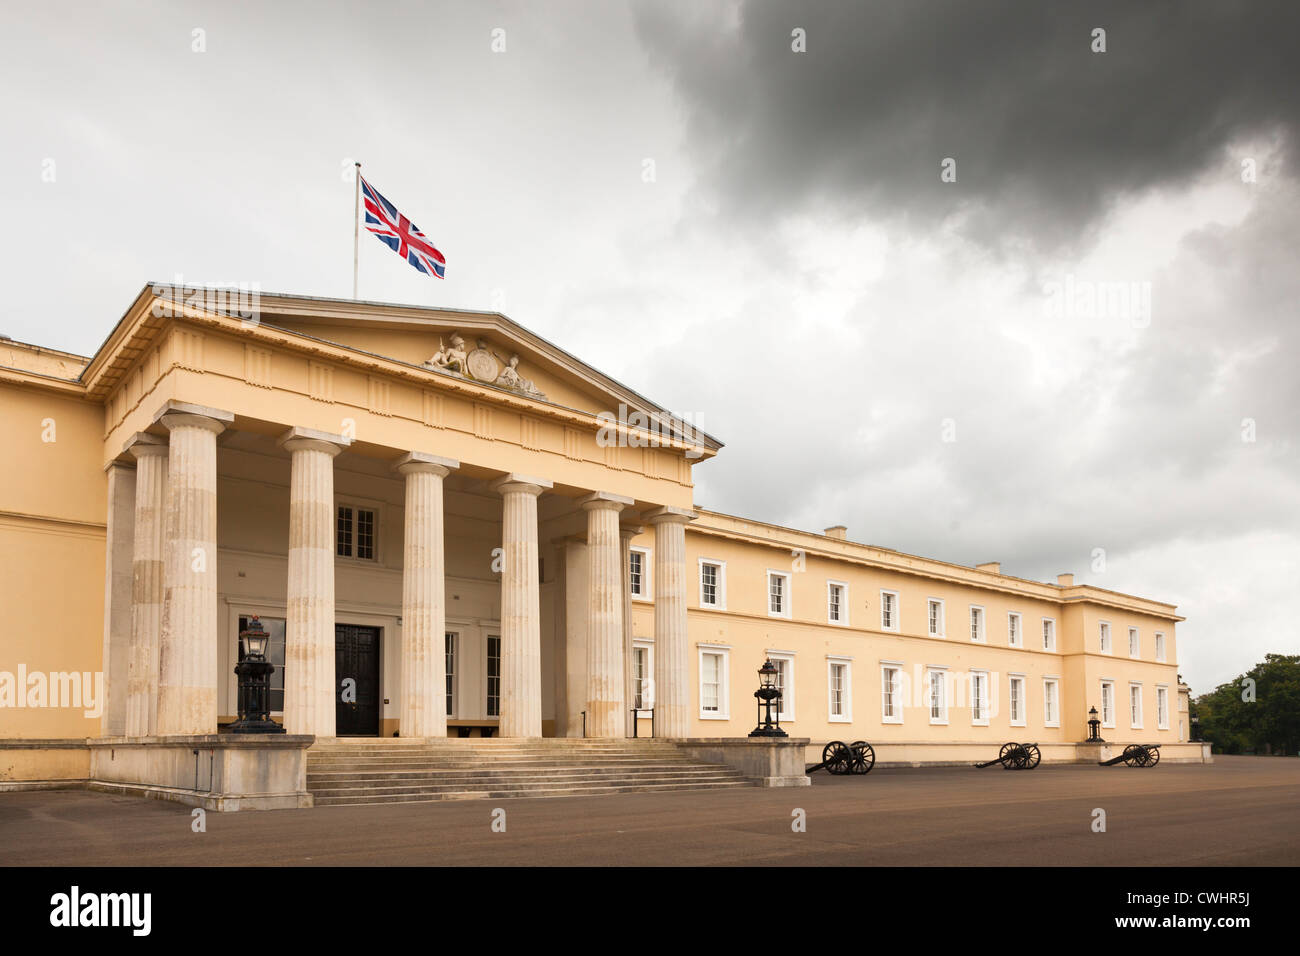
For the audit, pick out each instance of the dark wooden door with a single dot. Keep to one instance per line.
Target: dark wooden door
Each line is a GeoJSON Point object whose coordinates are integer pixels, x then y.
{"type": "Point", "coordinates": [356, 659]}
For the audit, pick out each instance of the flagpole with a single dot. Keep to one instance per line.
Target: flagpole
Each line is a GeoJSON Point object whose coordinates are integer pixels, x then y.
{"type": "Point", "coordinates": [356, 229]}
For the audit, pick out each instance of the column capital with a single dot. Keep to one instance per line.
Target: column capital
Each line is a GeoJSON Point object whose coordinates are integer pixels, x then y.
{"type": "Point", "coordinates": [515, 482]}
{"type": "Point", "coordinates": [418, 461]}
{"type": "Point", "coordinates": [309, 439]}
{"type": "Point", "coordinates": [173, 414]}
{"type": "Point", "coordinates": [670, 515]}
{"type": "Point", "coordinates": [604, 501]}
{"type": "Point", "coordinates": [630, 531]}
{"type": "Point", "coordinates": [142, 444]}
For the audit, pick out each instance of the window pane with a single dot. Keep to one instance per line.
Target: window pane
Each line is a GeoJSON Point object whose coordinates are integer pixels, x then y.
{"type": "Point", "coordinates": [366, 535]}
{"type": "Point", "coordinates": [345, 532]}
{"type": "Point", "coordinates": [494, 675]}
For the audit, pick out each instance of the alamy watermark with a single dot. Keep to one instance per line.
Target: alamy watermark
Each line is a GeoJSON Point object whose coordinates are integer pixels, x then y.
{"type": "Point", "coordinates": [636, 429]}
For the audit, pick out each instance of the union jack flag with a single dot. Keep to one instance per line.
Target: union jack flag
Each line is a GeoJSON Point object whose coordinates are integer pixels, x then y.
{"type": "Point", "coordinates": [400, 234]}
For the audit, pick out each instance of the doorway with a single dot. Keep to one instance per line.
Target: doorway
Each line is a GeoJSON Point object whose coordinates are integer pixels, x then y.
{"type": "Point", "coordinates": [356, 680]}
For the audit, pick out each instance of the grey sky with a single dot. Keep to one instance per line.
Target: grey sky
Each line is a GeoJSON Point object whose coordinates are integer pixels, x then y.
{"type": "Point", "coordinates": [796, 226]}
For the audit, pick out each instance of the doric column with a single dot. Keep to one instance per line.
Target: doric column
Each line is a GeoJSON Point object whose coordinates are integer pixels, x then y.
{"type": "Point", "coordinates": [187, 647]}
{"type": "Point", "coordinates": [605, 692]}
{"type": "Point", "coordinates": [150, 455]}
{"type": "Point", "coordinates": [672, 689]}
{"type": "Point", "coordinates": [119, 545]}
{"type": "Point", "coordinates": [424, 597]}
{"type": "Point", "coordinates": [309, 680]}
{"type": "Point", "coordinates": [521, 618]}
{"type": "Point", "coordinates": [625, 535]}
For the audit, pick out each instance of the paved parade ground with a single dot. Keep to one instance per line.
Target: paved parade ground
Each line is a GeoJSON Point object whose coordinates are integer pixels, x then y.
{"type": "Point", "coordinates": [1236, 811]}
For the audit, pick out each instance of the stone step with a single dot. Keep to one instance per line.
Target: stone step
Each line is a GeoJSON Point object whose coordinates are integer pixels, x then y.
{"type": "Point", "coordinates": [315, 779]}
{"type": "Point", "coordinates": [436, 764]}
{"type": "Point", "coordinates": [520, 786]}
{"type": "Point", "coordinates": [368, 797]}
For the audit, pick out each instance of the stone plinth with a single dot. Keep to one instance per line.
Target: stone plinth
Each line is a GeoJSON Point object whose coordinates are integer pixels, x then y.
{"type": "Point", "coordinates": [228, 771]}
{"type": "Point", "coordinates": [769, 762]}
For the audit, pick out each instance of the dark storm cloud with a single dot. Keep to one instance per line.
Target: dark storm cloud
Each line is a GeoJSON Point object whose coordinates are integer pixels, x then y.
{"type": "Point", "coordinates": [1046, 133]}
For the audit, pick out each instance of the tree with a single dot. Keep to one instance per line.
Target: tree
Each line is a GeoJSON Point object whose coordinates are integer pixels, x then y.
{"type": "Point", "coordinates": [1259, 711]}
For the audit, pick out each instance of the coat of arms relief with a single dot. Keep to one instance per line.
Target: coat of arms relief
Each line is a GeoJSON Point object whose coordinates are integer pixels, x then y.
{"type": "Point", "coordinates": [481, 364]}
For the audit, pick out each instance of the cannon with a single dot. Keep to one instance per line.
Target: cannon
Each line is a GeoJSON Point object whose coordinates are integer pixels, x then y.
{"type": "Point", "coordinates": [1135, 755]}
{"type": "Point", "coordinates": [840, 758]}
{"type": "Point", "coordinates": [1014, 756]}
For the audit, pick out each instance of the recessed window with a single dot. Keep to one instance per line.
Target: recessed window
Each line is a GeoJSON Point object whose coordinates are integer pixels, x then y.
{"type": "Point", "coordinates": [935, 612]}
{"type": "Point", "coordinates": [638, 573]}
{"type": "Point", "coordinates": [784, 664]}
{"type": "Point", "coordinates": [713, 584]}
{"type": "Point", "coordinates": [1051, 702]}
{"type": "Point", "coordinates": [837, 602]}
{"type": "Point", "coordinates": [839, 691]}
{"type": "Point", "coordinates": [891, 703]}
{"type": "Point", "coordinates": [1162, 708]}
{"type": "Point", "coordinates": [1049, 634]}
{"type": "Point", "coordinates": [1134, 643]}
{"type": "Point", "coordinates": [713, 684]}
{"type": "Point", "coordinates": [938, 696]}
{"type": "Point", "coordinates": [1108, 703]}
{"type": "Point", "coordinates": [1016, 689]}
{"type": "Point", "coordinates": [1160, 647]}
{"type": "Point", "coordinates": [494, 675]}
{"type": "Point", "coordinates": [979, 698]}
{"type": "Point", "coordinates": [642, 677]}
{"type": "Point", "coordinates": [274, 627]}
{"type": "Point", "coordinates": [778, 594]}
{"type": "Point", "coordinates": [355, 533]}
{"type": "Point", "coordinates": [1104, 637]}
{"type": "Point", "coordinates": [1014, 637]}
{"type": "Point", "coordinates": [1135, 706]}
{"type": "Point", "coordinates": [976, 623]}
{"type": "Point", "coordinates": [450, 654]}
{"type": "Point", "coordinates": [889, 610]}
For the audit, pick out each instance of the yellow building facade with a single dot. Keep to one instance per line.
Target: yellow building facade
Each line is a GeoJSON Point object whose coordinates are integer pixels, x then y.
{"type": "Point", "coordinates": [451, 527]}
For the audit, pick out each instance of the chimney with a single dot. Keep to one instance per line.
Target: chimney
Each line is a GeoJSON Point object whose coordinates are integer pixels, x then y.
{"type": "Point", "coordinates": [1065, 580]}
{"type": "Point", "coordinates": [837, 531]}
{"type": "Point", "coordinates": [993, 567]}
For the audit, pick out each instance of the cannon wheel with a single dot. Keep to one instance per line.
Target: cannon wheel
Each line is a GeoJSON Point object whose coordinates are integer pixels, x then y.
{"type": "Point", "coordinates": [1153, 756]}
{"type": "Point", "coordinates": [864, 756]}
{"type": "Point", "coordinates": [1007, 755]}
{"type": "Point", "coordinates": [1035, 756]}
{"type": "Point", "coordinates": [1133, 756]}
{"type": "Point", "coordinates": [837, 757]}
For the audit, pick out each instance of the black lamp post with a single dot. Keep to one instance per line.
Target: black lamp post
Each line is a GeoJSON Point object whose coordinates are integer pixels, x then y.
{"type": "Point", "coordinates": [766, 695]}
{"type": "Point", "coordinates": [255, 684]}
{"type": "Point", "coordinates": [1196, 729]}
{"type": "Point", "coordinates": [1094, 727]}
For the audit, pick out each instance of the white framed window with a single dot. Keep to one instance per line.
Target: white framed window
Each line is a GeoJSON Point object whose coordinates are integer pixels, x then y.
{"type": "Point", "coordinates": [714, 694]}
{"type": "Point", "coordinates": [937, 694]}
{"type": "Point", "coordinates": [977, 623]}
{"type": "Point", "coordinates": [452, 638]}
{"type": "Point", "coordinates": [1104, 637]}
{"type": "Point", "coordinates": [1015, 633]}
{"type": "Point", "coordinates": [979, 698]}
{"type": "Point", "coordinates": [778, 594]}
{"type": "Point", "coordinates": [783, 661]}
{"type": "Point", "coordinates": [493, 686]}
{"type": "Point", "coordinates": [356, 531]}
{"type": "Point", "coordinates": [1108, 703]}
{"type": "Point", "coordinates": [1135, 705]}
{"type": "Point", "coordinates": [639, 582]}
{"type": "Point", "coordinates": [837, 603]}
{"type": "Point", "coordinates": [713, 584]}
{"type": "Point", "coordinates": [1160, 646]}
{"type": "Point", "coordinates": [891, 693]}
{"type": "Point", "coordinates": [1134, 642]}
{"type": "Point", "coordinates": [1051, 702]}
{"type": "Point", "coordinates": [889, 611]}
{"type": "Point", "coordinates": [1162, 706]}
{"type": "Point", "coordinates": [643, 669]}
{"type": "Point", "coordinates": [1016, 699]}
{"type": "Point", "coordinates": [839, 689]}
{"type": "Point", "coordinates": [934, 612]}
{"type": "Point", "coordinates": [1049, 634]}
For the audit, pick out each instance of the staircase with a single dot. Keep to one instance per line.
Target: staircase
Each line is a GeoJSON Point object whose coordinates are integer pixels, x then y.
{"type": "Point", "coordinates": [348, 772]}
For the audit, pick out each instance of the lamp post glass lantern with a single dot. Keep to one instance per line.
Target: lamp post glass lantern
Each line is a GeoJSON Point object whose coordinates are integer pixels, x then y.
{"type": "Point", "coordinates": [1094, 727]}
{"type": "Point", "coordinates": [254, 672]}
{"type": "Point", "coordinates": [767, 695]}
